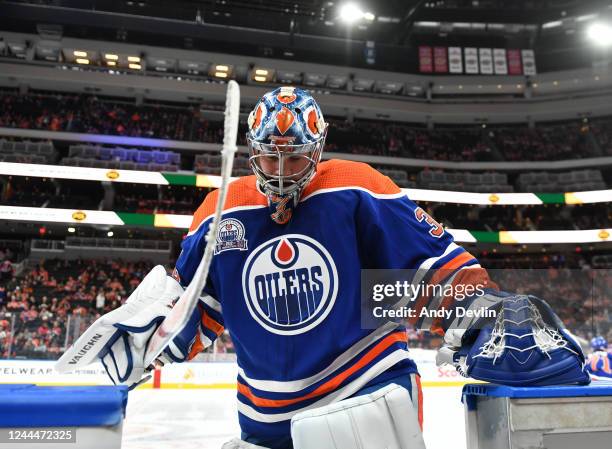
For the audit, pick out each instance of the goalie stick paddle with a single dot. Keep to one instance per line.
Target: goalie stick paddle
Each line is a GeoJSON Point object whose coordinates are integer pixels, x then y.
{"type": "Point", "coordinates": [184, 307]}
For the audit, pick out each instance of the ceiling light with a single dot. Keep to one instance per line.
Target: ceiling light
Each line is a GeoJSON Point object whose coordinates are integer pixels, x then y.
{"type": "Point", "coordinates": [71, 229]}
{"type": "Point", "coordinates": [80, 54]}
{"type": "Point", "coordinates": [110, 233]}
{"type": "Point", "coordinates": [368, 16]}
{"type": "Point", "coordinates": [261, 79]}
{"type": "Point", "coordinates": [135, 66]}
{"type": "Point", "coordinates": [428, 24]}
{"type": "Point", "coordinates": [554, 24]}
{"type": "Point", "coordinates": [586, 17]}
{"type": "Point", "coordinates": [133, 59]}
{"type": "Point", "coordinates": [112, 57]}
{"type": "Point", "coordinates": [111, 63]}
{"type": "Point", "coordinates": [221, 74]}
{"type": "Point", "coordinates": [350, 13]}
{"type": "Point", "coordinates": [600, 34]}
{"type": "Point", "coordinates": [222, 68]}
{"type": "Point", "coordinates": [82, 61]}
{"type": "Point", "coordinates": [262, 72]}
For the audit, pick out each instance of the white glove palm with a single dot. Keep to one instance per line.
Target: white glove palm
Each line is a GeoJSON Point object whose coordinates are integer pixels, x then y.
{"type": "Point", "coordinates": [120, 337]}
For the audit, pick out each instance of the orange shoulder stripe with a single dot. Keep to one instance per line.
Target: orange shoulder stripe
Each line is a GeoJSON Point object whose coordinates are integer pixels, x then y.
{"type": "Point", "coordinates": [441, 273]}
{"type": "Point", "coordinates": [341, 173]}
{"type": "Point", "coordinates": [241, 192]}
{"type": "Point", "coordinates": [473, 276]}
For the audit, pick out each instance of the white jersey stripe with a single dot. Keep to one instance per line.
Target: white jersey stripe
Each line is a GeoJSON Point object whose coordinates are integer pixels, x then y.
{"type": "Point", "coordinates": [380, 196]}
{"type": "Point", "coordinates": [435, 302]}
{"type": "Point", "coordinates": [294, 386]}
{"type": "Point", "coordinates": [211, 302]}
{"type": "Point", "coordinates": [342, 393]}
{"type": "Point", "coordinates": [428, 263]}
{"type": "Point", "coordinates": [204, 339]}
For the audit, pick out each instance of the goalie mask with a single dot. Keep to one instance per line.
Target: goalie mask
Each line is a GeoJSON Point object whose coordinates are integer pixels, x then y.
{"type": "Point", "coordinates": [285, 138]}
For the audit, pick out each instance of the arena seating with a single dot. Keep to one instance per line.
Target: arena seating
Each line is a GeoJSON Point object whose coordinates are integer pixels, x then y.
{"type": "Point", "coordinates": [462, 181]}
{"type": "Point", "coordinates": [400, 177]}
{"type": "Point", "coordinates": [571, 181]}
{"type": "Point", "coordinates": [122, 158]}
{"type": "Point", "coordinates": [27, 152]}
{"type": "Point", "coordinates": [210, 164]}
{"type": "Point", "coordinates": [99, 115]}
{"type": "Point", "coordinates": [602, 261]}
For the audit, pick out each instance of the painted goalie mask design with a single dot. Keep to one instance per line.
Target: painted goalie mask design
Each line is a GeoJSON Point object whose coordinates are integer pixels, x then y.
{"type": "Point", "coordinates": [286, 136]}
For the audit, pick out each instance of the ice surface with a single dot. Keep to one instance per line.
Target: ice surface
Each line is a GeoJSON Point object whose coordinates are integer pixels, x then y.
{"type": "Point", "coordinates": [206, 418]}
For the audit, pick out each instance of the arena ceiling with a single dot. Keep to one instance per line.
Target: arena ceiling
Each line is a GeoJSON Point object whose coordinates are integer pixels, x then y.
{"type": "Point", "coordinates": [312, 30]}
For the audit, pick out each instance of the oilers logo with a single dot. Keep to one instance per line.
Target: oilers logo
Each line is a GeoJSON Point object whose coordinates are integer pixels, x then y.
{"type": "Point", "coordinates": [230, 236]}
{"type": "Point", "coordinates": [290, 284]}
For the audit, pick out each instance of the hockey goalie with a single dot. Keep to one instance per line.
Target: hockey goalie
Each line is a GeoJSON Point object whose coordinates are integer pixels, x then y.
{"type": "Point", "coordinates": [285, 283]}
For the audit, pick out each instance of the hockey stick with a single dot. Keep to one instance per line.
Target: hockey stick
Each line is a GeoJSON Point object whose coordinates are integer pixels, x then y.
{"type": "Point", "coordinates": [184, 307]}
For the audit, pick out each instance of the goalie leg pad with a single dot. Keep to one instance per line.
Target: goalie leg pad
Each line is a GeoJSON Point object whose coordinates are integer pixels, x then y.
{"type": "Point", "coordinates": [384, 419]}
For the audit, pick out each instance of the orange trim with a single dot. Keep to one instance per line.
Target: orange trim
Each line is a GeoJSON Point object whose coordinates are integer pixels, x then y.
{"type": "Point", "coordinates": [440, 274]}
{"type": "Point", "coordinates": [211, 324]}
{"type": "Point", "coordinates": [331, 384]}
{"type": "Point", "coordinates": [330, 174]}
{"type": "Point", "coordinates": [474, 276]}
{"type": "Point", "coordinates": [241, 192]}
{"type": "Point", "coordinates": [340, 173]}
{"type": "Point", "coordinates": [196, 348]}
{"type": "Point", "coordinates": [457, 261]}
{"type": "Point", "coordinates": [420, 400]}
{"type": "Point", "coordinates": [605, 363]}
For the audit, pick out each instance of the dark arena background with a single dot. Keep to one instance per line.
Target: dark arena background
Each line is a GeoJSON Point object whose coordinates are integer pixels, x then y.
{"type": "Point", "coordinates": [494, 116]}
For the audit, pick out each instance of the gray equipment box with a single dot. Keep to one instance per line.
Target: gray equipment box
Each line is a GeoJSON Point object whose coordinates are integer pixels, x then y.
{"type": "Point", "coordinates": [559, 417]}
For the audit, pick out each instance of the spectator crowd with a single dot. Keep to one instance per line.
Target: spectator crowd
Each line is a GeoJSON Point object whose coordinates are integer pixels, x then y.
{"type": "Point", "coordinates": [46, 306]}
{"type": "Point", "coordinates": [52, 302]}
{"type": "Point", "coordinates": [99, 115]}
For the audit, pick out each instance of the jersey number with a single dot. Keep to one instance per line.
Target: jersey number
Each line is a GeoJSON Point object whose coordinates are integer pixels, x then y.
{"type": "Point", "coordinates": [436, 228]}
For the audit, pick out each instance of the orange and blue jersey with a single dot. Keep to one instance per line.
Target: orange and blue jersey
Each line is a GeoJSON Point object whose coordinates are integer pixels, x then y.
{"type": "Point", "coordinates": [289, 295]}
{"type": "Point", "coordinates": [600, 364]}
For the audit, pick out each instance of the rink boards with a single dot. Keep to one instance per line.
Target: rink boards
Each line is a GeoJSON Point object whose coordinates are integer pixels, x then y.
{"type": "Point", "coordinates": [209, 375]}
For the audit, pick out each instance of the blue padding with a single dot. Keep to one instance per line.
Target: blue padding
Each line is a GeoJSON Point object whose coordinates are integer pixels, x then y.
{"type": "Point", "coordinates": [470, 392]}
{"type": "Point", "coordinates": [14, 386]}
{"type": "Point", "coordinates": [32, 406]}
